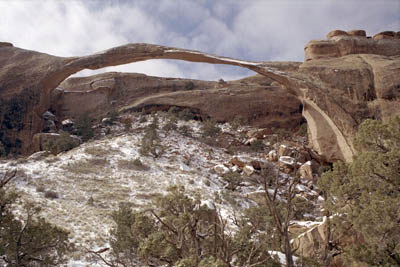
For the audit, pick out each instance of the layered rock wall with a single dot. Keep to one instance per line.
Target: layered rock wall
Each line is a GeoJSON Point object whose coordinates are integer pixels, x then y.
{"type": "Point", "coordinates": [344, 80]}
{"type": "Point", "coordinates": [340, 43]}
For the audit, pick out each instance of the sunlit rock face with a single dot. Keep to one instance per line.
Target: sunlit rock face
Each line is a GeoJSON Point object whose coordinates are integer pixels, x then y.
{"type": "Point", "coordinates": [345, 79]}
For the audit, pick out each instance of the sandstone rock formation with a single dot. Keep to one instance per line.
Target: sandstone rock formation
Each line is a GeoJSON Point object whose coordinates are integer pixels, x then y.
{"type": "Point", "coordinates": [260, 105]}
{"type": "Point", "coordinates": [345, 80]}
{"type": "Point", "coordinates": [341, 43]}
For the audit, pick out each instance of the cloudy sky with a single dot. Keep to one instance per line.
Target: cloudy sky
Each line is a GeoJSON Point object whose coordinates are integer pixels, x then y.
{"type": "Point", "coordinates": [259, 30]}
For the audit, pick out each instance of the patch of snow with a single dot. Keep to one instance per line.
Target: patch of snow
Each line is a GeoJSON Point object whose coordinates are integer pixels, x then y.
{"type": "Point", "coordinates": [287, 160]}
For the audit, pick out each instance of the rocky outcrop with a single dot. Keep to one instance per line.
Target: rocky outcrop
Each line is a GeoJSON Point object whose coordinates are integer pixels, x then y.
{"type": "Point", "coordinates": [259, 104]}
{"type": "Point", "coordinates": [341, 43]}
{"type": "Point", "coordinates": [350, 78]}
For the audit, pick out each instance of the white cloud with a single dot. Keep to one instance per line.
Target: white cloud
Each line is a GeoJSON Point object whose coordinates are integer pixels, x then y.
{"type": "Point", "coordinates": [247, 29]}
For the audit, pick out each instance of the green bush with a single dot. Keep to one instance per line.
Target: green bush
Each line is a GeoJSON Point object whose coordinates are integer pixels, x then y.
{"type": "Point", "coordinates": [189, 86]}
{"type": "Point", "coordinates": [302, 130]}
{"type": "Point", "coordinates": [185, 130]}
{"type": "Point", "coordinates": [2, 150]}
{"type": "Point", "coordinates": [364, 196]}
{"type": "Point", "coordinates": [237, 122]}
{"type": "Point", "coordinates": [150, 143]}
{"type": "Point", "coordinates": [171, 124]}
{"type": "Point", "coordinates": [177, 231]}
{"type": "Point", "coordinates": [25, 240]}
{"type": "Point", "coordinates": [186, 115]}
{"type": "Point", "coordinates": [210, 128]}
{"type": "Point", "coordinates": [233, 179]}
{"type": "Point", "coordinates": [139, 165]}
{"type": "Point", "coordinates": [257, 146]}
{"type": "Point", "coordinates": [51, 194]}
{"type": "Point", "coordinates": [84, 127]}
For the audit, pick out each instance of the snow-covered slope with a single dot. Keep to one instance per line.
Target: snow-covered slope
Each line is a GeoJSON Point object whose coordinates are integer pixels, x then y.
{"type": "Point", "coordinates": [92, 179]}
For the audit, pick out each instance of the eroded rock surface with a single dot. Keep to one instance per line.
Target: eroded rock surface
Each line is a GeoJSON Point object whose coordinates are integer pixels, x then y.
{"type": "Point", "coordinates": [340, 43]}
{"type": "Point", "coordinates": [350, 78]}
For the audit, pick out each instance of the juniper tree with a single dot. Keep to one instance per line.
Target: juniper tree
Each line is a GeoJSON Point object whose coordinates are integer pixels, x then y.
{"type": "Point", "coordinates": [182, 232]}
{"type": "Point", "coordinates": [364, 196]}
{"type": "Point", "coordinates": [30, 240]}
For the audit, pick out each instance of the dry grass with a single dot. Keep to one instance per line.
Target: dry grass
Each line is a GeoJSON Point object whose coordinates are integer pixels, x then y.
{"type": "Point", "coordinates": [89, 166]}
{"type": "Point", "coordinates": [97, 151]}
{"type": "Point", "coordinates": [135, 164]}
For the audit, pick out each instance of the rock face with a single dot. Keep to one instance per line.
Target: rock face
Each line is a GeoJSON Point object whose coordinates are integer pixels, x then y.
{"type": "Point", "coordinates": [341, 43]}
{"type": "Point", "coordinates": [259, 105]}
{"type": "Point", "coordinates": [344, 80]}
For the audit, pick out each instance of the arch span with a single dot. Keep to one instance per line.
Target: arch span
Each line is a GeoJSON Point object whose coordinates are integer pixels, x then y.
{"type": "Point", "coordinates": [43, 73]}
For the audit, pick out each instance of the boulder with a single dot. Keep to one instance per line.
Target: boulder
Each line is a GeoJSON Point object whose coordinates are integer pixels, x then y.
{"type": "Point", "coordinates": [360, 33]}
{"type": "Point", "coordinates": [67, 125]}
{"type": "Point", "coordinates": [272, 156]}
{"type": "Point", "coordinates": [258, 133]}
{"type": "Point", "coordinates": [287, 164]}
{"type": "Point", "coordinates": [385, 35]}
{"type": "Point", "coordinates": [54, 142]}
{"type": "Point", "coordinates": [248, 170]}
{"type": "Point", "coordinates": [220, 169]}
{"type": "Point", "coordinates": [49, 116]}
{"type": "Point", "coordinates": [306, 171]}
{"type": "Point", "coordinates": [285, 151]}
{"type": "Point", "coordinates": [312, 240]}
{"type": "Point", "coordinates": [49, 126]}
{"type": "Point", "coordinates": [257, 164]}
{"type": "Point", "coordinates": [236, 161]}
{"type": "Point", "coordinates": [250, 141]}
{"type": "Point", "coordinates": [334, 33]}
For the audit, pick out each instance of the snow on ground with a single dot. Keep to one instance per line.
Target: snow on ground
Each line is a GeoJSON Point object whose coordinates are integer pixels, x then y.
{"type": "Point", "coordinates": [92, 179]}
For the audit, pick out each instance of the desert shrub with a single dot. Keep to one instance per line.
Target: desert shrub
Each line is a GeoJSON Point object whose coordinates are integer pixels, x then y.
{"type": "Point", "coordinates": [302, 206]}
{"type": "Point", "coordinates": [324, 168]}
{"type": "Point", "coordinates": [127, 122]}
{"type": "Point", "coordinates": [233, 179]}
{"type": "Point", "coordinates": [282, 133]}
{"type": "Point", "coordinates": [97, 151]}
{"type": "Point", "coordinates": [40, 189]}
{"type": "Point", "coordinates": [2, 150]}
{"type": "Point", "coordinates": [150, 143]}
{"type": "Point", "coordinates": [113, 115]}
{"type": "Point", "coordinates": [231, 150]}
{"type": "Point", "coordinates": [84, 127]}
{"type": "Point", "coordinates": [94, 165]}
{"type": "Point", "coordinates": [171, 124]}
{"type": "Point", "coordinates": [186, 115]}
{"type": "Point", "coordinates": [210, 128]}
{"type": "Point", "coordinates": [90, 201]}
{"type": "Point", "coordinates": [302, 130]}
{"type": "Point", "coordinates": [97, 161]}
{"type": "Point", "coordinates": [135, 164]}
{"type": "Point", "coordinates": [37, 239]}
{"type": "Point", "coordinates": [176, 232]}
{"type": "Point", "coordinates": [172, 111]}
{"type": "Point", "coordinates": [50, 194]}
{"type": "Point", "coordinates": [185, 130]}
{"type": "Point", "coordinates": [237, 121]}
{"type": "Point", "coordinates": [257, 146]}
{"type": "Point", "coordinates": [189, 86]}
{"type": "Point", "coordinates": [143, 119]}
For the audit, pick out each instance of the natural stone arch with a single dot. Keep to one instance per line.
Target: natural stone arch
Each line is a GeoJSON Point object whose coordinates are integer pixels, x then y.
{"type": "Point", "coordinates": [50, 71]}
